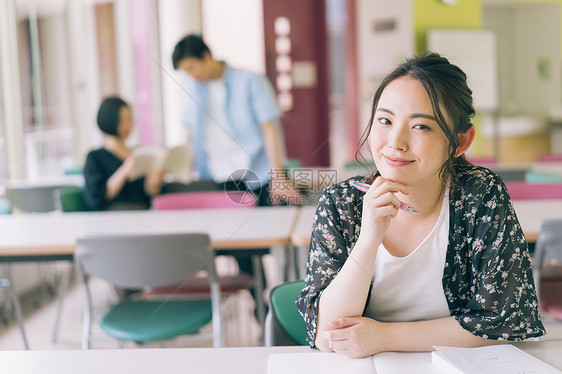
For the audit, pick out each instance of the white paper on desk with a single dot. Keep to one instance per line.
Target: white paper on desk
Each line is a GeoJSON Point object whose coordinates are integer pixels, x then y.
{"type": "Point", "coordinates": [494, 359]}
{"type": "Point", "coordinates": [319, 363]}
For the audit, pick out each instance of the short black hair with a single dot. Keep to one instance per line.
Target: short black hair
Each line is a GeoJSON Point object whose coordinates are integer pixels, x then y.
{"type": "Point", "coordinates": [108, 114]}
{"type": "Point", "coordinates": [191, 46]}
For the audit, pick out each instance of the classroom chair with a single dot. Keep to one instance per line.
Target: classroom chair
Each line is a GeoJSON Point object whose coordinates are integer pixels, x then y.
{"type": "Point", "coordinates": [231, 282]}
{"type": "Point", "coordinates": [5, 206]}
{"type": "Point", "coordinates": [67, 199]}
{"type": "Point", "coordinates": [207, 200]}
{"type": "Point", "coordinates": [533, 191]}
{"type": "Point", "coordinates": [74, 171]}
{"type": "Point", "coordinates": [7, 283]}
{"type": "Point", "coordinates": [70, 199]}
{"type": "Point", "coordinates": [32, 199]}
{"type": "Point", "coordinates": [37, 199]}
{"type": "Point", "coordinates": [547, 268]}
{"type": "Point", "coordinates": [156, 260]}
{"type": "Point", "coordinates": [204, 200]}
{"type": "Point", "coordinates": [542, 177]}
{"type": "Point", "coordinates": [284, 325]}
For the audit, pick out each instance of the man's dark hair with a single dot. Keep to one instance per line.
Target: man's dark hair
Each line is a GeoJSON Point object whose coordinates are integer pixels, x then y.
{"type": "Point", "coordinates": [191, 46]}
{"type": "Point", "coordinates": [108, 114]}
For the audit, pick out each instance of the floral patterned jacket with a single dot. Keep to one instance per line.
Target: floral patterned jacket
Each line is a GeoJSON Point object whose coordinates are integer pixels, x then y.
{"type": "Point", "coordinates": [487, 279]}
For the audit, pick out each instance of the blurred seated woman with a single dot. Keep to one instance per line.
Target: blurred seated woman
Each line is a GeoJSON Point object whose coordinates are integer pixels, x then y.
{"type": "Point", "coordinates": [107, 169]}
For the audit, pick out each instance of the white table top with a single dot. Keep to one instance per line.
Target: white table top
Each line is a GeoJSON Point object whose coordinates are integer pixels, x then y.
{"type": "Point", "coordinates": [216, 360]}
{"type": "Point", "coordinates": [63, 180]}
{"type": "Point", "coordinates": [531, 213]}
{"type": "Point", "coordinates": [36, 233]}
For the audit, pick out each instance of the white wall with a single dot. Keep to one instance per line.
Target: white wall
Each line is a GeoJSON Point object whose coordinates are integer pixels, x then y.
{"type": "Point", "coordinates": [527, 34]}
{"type": "Point", "coordinates": [234, 32]}
{"type": "Point", "coordinates": [177, 18]}
{"type": "Point", "coordinates": [380, 51]}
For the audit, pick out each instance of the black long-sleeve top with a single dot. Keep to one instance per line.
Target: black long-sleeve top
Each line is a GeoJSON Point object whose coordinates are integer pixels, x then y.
{"type": "Point", "coordinates": [100, 166]}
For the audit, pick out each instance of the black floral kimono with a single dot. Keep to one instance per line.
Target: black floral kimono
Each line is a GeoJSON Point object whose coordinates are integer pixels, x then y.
{"type": "Point", "coordinates": [487, 279]}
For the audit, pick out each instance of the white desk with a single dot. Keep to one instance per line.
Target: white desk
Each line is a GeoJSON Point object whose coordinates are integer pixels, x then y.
{"type": "Point", "coordinates": [531, 213]}
{"type": "Point", "coordinates": [36, 234]}
{"type": "Point", "coordinates": [252, 360]}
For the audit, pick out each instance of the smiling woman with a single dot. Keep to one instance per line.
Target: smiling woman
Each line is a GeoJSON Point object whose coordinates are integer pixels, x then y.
{"type": "Point", "coordinates": [381, 279]}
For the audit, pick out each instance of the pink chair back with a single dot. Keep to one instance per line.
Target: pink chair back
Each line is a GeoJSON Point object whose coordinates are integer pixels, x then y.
{"type": "Point", "coordinates": [204, 200]}
{"type": "Point", "coordinates": [529, 191]}
{"type": "Point", "coordinates": [550, 157]}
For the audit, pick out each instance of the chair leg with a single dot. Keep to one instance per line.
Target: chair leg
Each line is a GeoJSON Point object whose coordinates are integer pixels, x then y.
{"type": "Point", "coordinates": [65, 281]}
{"type": "Point", "coordinates": [217, 321]}
{"type": "Point", "coordinates": [87, 313]}
{"type": "Point", "coordinates": [259, 287]}
{"type": "Point", "coordinates": [15, 303]}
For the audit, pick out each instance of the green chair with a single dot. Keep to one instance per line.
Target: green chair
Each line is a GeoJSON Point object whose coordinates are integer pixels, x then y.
{"type": "Point", "coordinates": [293, 163]}
{"type": "Point", "coordinates": [70, 199]}
{"type": "Point", "coordinates": [284, 325]}
{"type": "Point", "coordinates": [74, 171]}
{"type": "Point", "coordinates": [150, 260]}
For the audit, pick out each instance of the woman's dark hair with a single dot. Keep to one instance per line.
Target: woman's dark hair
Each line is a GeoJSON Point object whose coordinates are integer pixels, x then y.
{"type": "Point", "coordinates": [108, 114]}
{"type": "Point", "coordinates": [445, 84]}
{"type": "Point", "coordinates": [191, 46]}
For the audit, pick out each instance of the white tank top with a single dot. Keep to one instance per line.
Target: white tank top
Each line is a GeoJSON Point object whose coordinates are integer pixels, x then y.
{"type": "Point", "coordinates": [411, 288]}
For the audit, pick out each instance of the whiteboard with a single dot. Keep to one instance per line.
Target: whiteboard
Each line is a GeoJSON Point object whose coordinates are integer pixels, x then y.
{"type": "Point", "coordinates": [474, 51]}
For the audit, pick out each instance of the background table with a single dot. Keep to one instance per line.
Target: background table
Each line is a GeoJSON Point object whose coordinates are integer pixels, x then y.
{"type": "Point", "coordinates": [37, 234]}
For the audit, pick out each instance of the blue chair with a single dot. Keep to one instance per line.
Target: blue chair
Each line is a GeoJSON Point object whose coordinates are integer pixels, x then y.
{"type": "Point", "coordinates": [154, 260]}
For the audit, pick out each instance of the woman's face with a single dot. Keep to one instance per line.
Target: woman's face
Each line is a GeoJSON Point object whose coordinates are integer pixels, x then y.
{"type": "Point", "coordinates": [407, 144]}
{"type": "Point", "coordinates": [126, 122]}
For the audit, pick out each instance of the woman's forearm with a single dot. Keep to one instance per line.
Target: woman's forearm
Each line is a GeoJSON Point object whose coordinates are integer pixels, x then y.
{"type": "Point", "coordinates": [115, 183]}
{"type": "Point", "coordinates": [423, 335]}
{"type": "Point", "coordinates": [346, 295]}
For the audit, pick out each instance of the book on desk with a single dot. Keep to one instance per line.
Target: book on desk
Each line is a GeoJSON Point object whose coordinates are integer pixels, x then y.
{"type": "Point", "coordinates": [495, 359]}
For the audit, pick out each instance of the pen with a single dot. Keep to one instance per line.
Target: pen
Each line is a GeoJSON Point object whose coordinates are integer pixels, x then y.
{"type": "Point", "coordinates": [364, 187]}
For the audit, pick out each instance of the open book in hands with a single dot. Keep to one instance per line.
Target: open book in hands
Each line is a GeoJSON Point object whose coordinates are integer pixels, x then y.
{"type": "Point", "coordinates": [176, 162]}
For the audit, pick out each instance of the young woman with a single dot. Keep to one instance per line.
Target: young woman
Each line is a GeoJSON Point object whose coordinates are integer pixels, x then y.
{"type": "Point", "coordinates": [106, 170]}
{"type": "Point", "coordinates": [453, 272]}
